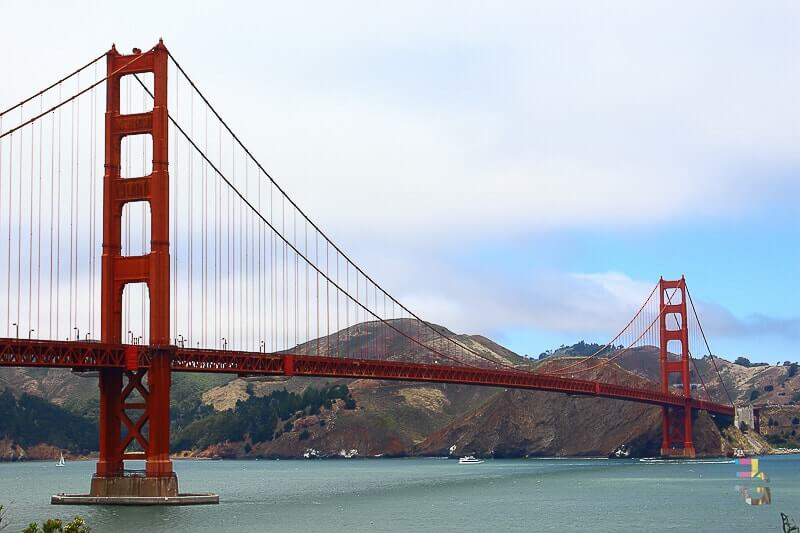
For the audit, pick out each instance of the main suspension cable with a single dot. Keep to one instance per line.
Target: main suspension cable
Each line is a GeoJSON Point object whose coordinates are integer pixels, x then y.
{"type": "Point", "coordinates": [308, 219]}
{"type": "Point", "coordinates": [611, 342]}
{"type": "Point", "coordinates": [710, 353]}
{"type": "Point", "coordinates": [74, 96]}
{"type": "Point", "coordinates": [54, 84]}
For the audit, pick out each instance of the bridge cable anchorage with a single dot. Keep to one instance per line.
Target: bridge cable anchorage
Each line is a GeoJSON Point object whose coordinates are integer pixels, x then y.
{"type": "Point", "coordinates": [609, 343]}
{"type": "Point", "coordinates": [710, 353]}
{"type": "Point", "coordinates": [450, 338]}
{"type": "Point", "coordinates": [289, 245]}
{"type": "Point", "coordinates": [54, 84]}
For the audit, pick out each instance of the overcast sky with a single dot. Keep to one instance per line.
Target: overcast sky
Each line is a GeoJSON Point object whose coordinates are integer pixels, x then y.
{"type": "Point", "coordinates": [521, 170]}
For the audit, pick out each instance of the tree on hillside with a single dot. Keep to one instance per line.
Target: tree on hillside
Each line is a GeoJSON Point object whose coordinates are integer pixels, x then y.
{"type": "Point", "coordinates": [743, 361]}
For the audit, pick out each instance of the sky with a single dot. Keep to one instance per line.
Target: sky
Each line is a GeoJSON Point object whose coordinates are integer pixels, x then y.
{"type": "Point", "coordinates": [522, 170]}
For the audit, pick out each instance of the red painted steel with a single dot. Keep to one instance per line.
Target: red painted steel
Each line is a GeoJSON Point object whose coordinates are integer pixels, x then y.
{"type": "Point", "coordinates": [89, 356]}
{"type": "Point", "coordinates": [674, 313]}
{"type": "Point", "coordinates": [152, 269]}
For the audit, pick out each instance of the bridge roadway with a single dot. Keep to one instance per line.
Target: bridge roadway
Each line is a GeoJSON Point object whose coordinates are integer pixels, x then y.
{"type": "Point", "coordinates": [83, 355]}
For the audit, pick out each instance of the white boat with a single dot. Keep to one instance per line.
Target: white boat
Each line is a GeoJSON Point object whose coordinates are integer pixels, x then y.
{"type": "Point", "coordinates": [61, 461]}
{"type": "Point", "coordinates": [469, 460]}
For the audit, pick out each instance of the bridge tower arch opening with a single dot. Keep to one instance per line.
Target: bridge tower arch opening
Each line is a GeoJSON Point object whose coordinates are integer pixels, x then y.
{"type": "Point", "coordinates": [676, 423]}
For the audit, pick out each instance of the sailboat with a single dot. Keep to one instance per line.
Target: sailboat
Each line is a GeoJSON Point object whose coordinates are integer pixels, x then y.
{"type": "Point", "coordinates": [61, 460]}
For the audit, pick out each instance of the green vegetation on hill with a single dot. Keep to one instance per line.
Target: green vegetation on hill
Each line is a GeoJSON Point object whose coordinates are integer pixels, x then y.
{"type": "Point", "coordinates": [580, 349]}
{"type": "Point", "coordinates": [745, 362]}
{"type": "Point", "coordinates": [186, 404]}
{"type": "Point", "coordinates": [257, 418]}
{"type": "Point", "coordinates": [30, 420]}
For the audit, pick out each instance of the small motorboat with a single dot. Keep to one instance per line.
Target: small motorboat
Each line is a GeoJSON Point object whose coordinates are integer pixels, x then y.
{"type": "Point", "coordinates": [470, 460]}
{"type": "Point", "coordinates": [61, 460]}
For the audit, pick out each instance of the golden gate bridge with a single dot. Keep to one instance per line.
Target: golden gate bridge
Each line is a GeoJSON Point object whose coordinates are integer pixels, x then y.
{"type": "Point", "coordinates": [189, 257]}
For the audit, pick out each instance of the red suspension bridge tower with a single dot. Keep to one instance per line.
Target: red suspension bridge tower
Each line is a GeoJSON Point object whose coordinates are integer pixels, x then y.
{"type": "Point", "coordinates": [150, 429]}
{"type": "Point", "coordinates": [674, 327]}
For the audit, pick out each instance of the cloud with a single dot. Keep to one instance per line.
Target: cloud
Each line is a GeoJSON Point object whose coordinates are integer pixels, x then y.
{"type": "Point", "coordinates": [402, 128]}
{"type": "Point", "coordinates": [721, 322]}
{"type": "Point", "coordinates": [580, 305]}
{"type": "Point", "coordinates": [523, 117]}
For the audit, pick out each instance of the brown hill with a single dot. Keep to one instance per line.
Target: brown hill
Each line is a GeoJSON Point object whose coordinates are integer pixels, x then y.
{"type": "Point", "coordinates": [396, 418]}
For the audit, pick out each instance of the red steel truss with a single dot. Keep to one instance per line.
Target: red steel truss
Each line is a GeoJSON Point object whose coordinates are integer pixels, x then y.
{"type": "Point", "coordinates": [85, 356]}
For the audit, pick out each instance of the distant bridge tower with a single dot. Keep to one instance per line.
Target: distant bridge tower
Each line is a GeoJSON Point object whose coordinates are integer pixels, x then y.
{"type": "Point", "coordinates": [145, 422]}
{"type": "Point", "coordinates": [674, 327]}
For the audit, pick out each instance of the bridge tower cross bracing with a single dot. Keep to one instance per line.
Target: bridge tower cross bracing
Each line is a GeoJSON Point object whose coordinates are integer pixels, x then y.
{"type": "Point", "coordinates": [674, 327]}
{"type": "Point", "coordinates": [153, 269]}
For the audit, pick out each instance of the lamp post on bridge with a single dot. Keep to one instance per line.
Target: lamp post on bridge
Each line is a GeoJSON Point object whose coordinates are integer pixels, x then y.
{"type": "Point", "coordinates": [30, 331]}
{"type": "Point", "coordinates": [77, 334]}
{"type": "Point", "coordinates": [17, 329]}
{"type": "Point", "coordinates": [224, 343]}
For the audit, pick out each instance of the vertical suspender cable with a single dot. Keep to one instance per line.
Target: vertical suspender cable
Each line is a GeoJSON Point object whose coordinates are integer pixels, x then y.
{"type": "Point", "coordinates": [77, 198]}
{"type": "Point", "coordinates": [190, 235]}
{"type": "Point", "coordinates": [50, 214]}
{"type": "Point", "coordinates": [205, 234]}
{"type": "Point", "coordinates": [19, 224]}
{"type": "Point", "coordinates": [30, 228]}
{"type": "Point", "coordinates": [58, 223]}
{"type": "Point", "coordinates": [8, 255]}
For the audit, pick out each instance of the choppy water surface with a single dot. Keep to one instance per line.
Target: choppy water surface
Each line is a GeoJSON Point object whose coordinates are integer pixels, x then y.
{"type": "Point", "coordinates": [431, 494]}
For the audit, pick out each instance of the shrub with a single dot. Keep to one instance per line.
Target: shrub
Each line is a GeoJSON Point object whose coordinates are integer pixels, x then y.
{"type": "Point", "coordinates": [304, 435]}
{"type": "Point", "coordinates": [776, 440]}
{"type": "Point", "coordinates": [743, 361]}
{"type": "Point", "coordinates": [792, 370]}
{"type": "Point", "coordinates": [54, 525]}
{"type": "Point", "coordinates": [768, 388]}
{"type": "Point", "coordinates": [754, 394]}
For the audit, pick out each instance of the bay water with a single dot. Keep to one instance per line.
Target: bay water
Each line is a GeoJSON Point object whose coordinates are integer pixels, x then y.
{"type": "Point", "coordinates": [431, 495]}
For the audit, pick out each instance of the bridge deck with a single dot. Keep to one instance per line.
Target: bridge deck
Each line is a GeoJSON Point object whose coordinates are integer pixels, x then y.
{"type": "Point", "coordinates": [81, 355]}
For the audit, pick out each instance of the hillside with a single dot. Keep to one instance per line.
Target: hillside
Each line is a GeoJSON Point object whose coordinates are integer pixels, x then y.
{"type": "Point", "coordinates": [225, 416]}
